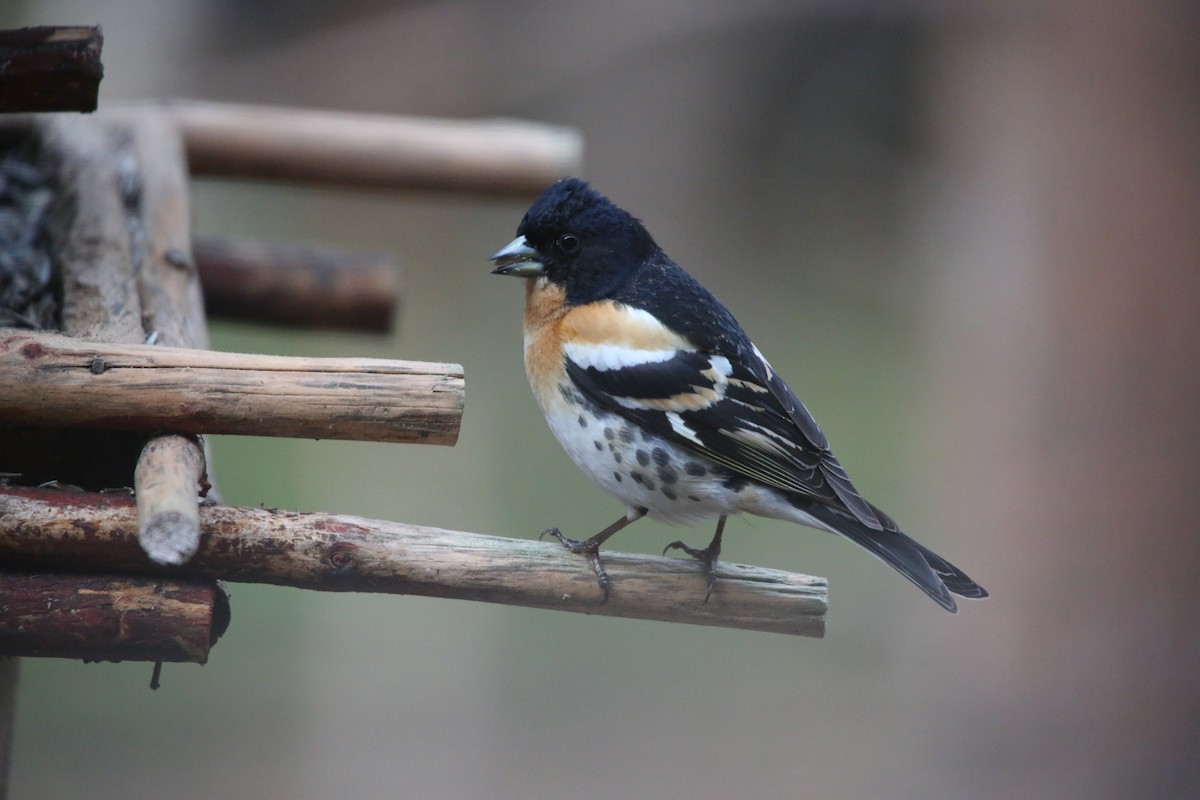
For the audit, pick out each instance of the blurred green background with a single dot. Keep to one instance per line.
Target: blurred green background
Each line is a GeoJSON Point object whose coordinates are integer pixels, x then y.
{"type": "Point", "coordinates": [914, 210]}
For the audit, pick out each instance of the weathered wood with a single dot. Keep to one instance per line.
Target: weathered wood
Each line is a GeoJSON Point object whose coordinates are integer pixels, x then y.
{"type": "Point", "coordinates": [50, 68]}
{"type": "Point", "coordinates": [88, 228]}
{"type": "Point", "coordinates": [53, 380]}
{"type": "Point", "coordinates": [168, 284]}
{"type": "Point", "coordinates": [171, 468]}
{"type": "Point", "coordinates": [343, 553]}
{"type": "Point", "coordinates": [166, 483]}
{"type": "Point", "coordinates": [502, 157]}
{"type": "Point", "coordinates": [88, 239]}
{"type": "Point", "coordinates": [107, 618]}
{"type": "Point", "coordinates": [289, 284]}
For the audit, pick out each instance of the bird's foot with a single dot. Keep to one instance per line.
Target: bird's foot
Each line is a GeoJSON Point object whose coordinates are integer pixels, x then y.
{"type": "Point", "coordinates": [706, 556]}
{"type": "Point", "coordinates": [584, 547]}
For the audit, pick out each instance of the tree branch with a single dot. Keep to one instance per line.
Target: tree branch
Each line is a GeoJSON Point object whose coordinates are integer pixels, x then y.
{"type": "Point", "coordinates": [89, 532]}
{"type": "Point", "coordinates": [58, 381]}
{"type": "Point", "coordinates": [106, 618]}
{"type": "Point", "coordinates": [274, 283]}
{"type": "Point", "coordinates": [374, 151]}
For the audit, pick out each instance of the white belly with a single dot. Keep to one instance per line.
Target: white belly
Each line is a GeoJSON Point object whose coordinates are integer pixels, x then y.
{"type": "Point", "coordinates": [643, 472]}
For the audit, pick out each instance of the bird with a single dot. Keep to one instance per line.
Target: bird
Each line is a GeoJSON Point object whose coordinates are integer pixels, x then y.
{"type": "Point", "coordinates": [657, 393]}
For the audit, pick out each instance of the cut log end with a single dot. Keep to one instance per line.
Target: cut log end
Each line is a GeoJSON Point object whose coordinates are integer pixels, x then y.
{"type": "Point", "coordinates": [171, 538]}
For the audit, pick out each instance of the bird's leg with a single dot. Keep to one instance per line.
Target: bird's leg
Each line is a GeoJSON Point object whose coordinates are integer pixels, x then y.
{"type": "Point", "coordinates": [591, 547]}
{"type": "Point", "coordinates": [707, 556]}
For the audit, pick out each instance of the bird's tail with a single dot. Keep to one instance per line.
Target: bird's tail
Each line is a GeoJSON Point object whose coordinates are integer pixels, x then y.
{"type": "Point", "coordinates": [931, 573]}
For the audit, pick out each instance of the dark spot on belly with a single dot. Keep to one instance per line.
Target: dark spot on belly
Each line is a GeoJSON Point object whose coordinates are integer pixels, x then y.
{"type": "Point", "coordinates": [642, 479]}
{"type": "Point", "coordinates": [626, 435]}
{"type": "Point", "coordinates": [667, 475]}
{"type": "Point", "coordinates": [599, 445]}
{"type": "Point", "coordinates": [609, 434]}
{"type": "Point", "coordinates": [693, 498]}
{"type": "Point", "coordinates": [617, 457]}
{"type": "Point", "coordinates": [668, 492]}
{"type": "Point", "coordinates": [643, 458]}
{"type": "Point", "coordinates": [660, 456]}
{"type": "Point", "coordinates": [582, 421]}
{"type": "Point", "coordinates": [734, 483]}
{"type": "Point", "coordinates": [694, 468]}
{"type": "Point", "coordinates": [618, 476]}
{"type": "Point", "coordinates": [646, 435]}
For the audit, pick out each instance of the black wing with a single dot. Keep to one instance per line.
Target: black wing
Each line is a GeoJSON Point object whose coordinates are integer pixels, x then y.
{"type": "Point", "coordinates": [734, 411]}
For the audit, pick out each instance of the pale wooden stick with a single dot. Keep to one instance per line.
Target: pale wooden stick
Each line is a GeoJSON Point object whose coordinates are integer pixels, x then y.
{"type": "Point", "coordinates": [330, 552]}
{"type": "Point", "coordinates": [109, 618]}
{"type": "Point", "coordinates": [170, 468]}
{"type": "Point", "coordinates": [53, 380]}
{"type": "Point", "coordinates": [389, 152]}
{"type": "Point", "coordinates": [166, 481]}
{"type": "Point", "coordinates": [172, 304]}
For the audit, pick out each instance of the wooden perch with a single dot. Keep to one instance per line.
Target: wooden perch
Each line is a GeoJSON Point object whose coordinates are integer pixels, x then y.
{"type": "Point", "coordinates": [502, 157]}
{"type": "Point", "coordinates": [50, 68]}
{"type": "Point", "coordinates": [167, 480]}
{"type": "Point", "coordinates": [106, 618]}
{"type": "Point", "coordinates": [52, 380]}
{"type": "Point", "coordinates": [300, 285]}
{"type": "Point", "coordinates": [84, 532]}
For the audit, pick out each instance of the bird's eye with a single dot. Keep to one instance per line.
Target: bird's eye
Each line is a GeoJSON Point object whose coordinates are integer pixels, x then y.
{"type": "Point", "coordinates": [568, 243]}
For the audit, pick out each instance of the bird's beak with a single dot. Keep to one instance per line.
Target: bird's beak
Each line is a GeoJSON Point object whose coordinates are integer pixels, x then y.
{"type": "Point", "coordinates": [519, 259]}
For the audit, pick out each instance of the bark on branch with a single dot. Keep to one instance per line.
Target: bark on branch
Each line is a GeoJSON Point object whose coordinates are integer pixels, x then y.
{"type": "Point", "coordinates": [108, 618]}
{"type": "Point", "coordinates": [89, 532]}
{"type": "Point", "coordinates": [52, 380]}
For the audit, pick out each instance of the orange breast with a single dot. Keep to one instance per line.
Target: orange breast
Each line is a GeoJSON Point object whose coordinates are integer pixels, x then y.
{"type": "Point", "coordinates": [545, 307]}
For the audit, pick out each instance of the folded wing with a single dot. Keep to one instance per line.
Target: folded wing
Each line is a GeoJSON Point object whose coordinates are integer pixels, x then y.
{"type": "Point", "coordinates": [730, 408]}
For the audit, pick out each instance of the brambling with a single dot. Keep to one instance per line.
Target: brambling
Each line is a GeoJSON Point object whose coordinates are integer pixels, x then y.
{"type": "Point", "coordinates": [656, 392]}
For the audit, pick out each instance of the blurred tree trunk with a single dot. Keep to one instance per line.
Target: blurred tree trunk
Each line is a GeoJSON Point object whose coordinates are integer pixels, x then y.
{"type": "Point", "coordinates": [1072, 349]}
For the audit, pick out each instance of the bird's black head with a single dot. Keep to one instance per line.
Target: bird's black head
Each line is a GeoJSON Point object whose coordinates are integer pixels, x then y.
{"type": "Point", "coordinates": [578, 239]}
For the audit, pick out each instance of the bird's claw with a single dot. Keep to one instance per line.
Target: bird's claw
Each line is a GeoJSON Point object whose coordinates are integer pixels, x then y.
{"type": "Point", "coordinates": [705, 556]}
{"type": "Point", "coordinates": [584, 547]}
